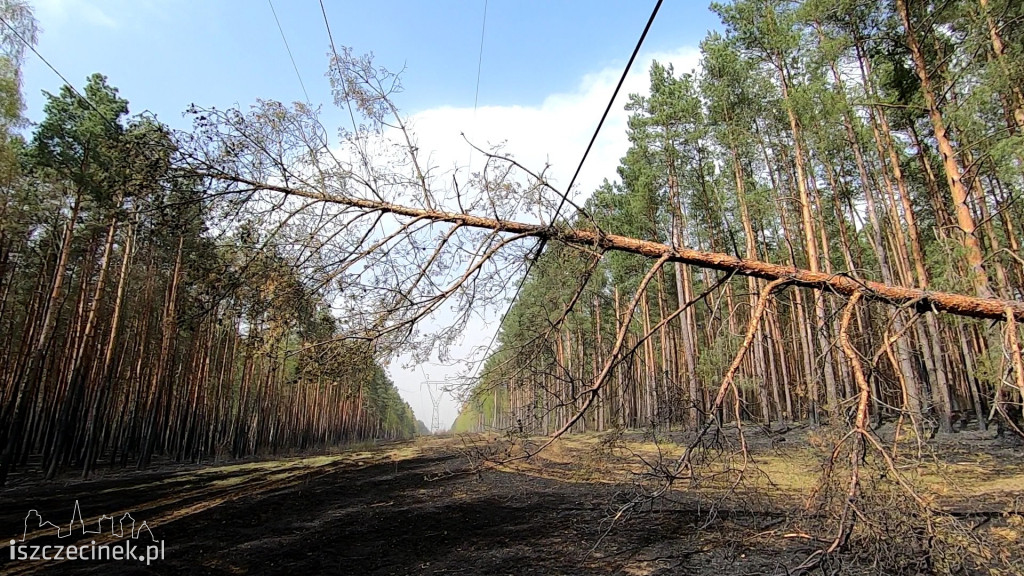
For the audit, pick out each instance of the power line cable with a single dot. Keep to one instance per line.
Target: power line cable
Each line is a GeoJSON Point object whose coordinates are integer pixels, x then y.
{"type": "Point", "coordinates": [543, 242]}
{"type": "Point", "coordinates": [112, 122]}
{"type": "Point", "coordinates": [328, 24]}
{"type": "Point", "coordinates": [57, 72]}
{"type": "Point", "coordinates": [288, 48]}
{"type": "Point", "coordinates": [330, 36]}
{"type": "Point", "coordinates": [611, 102]}
{"type": "Point", "coordinates": [480, 59]}
{"type": "Point", "coordinates": [476, 93]}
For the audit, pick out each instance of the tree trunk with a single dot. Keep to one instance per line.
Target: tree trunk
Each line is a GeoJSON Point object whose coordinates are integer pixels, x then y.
{"type": "Point", "coordinates": [954, 174]}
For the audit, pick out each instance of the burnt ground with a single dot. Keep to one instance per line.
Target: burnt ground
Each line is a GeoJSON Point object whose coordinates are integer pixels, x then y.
{"type": "Point", "coordinates": [398, 516]}
{"type": "Point", "coordinates": [403, 509]}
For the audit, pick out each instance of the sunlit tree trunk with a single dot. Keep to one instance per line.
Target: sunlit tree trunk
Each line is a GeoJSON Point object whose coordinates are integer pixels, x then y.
{"type": "Point", "coordinates": [950, 163]}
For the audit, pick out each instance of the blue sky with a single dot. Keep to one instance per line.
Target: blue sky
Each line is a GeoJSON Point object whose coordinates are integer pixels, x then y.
{"type": "Point", "coordinates": [548, 69]}
{"type": "Point", "coordinates": [166, 54]}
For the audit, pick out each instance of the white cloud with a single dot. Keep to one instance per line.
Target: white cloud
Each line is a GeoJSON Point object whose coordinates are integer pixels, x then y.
{"type": "Point", "coordinates": [555, 132]}
{"type": "Point", "coordinates": [61, 11]}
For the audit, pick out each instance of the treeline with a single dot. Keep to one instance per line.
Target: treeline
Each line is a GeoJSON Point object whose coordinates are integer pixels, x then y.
{"type": "Point", "coordinates": [141, 317]}
{"type": "Point", "coordinates": [878, 140]}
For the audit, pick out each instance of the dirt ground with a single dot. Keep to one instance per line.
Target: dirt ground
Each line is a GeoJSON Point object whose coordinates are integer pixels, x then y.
{"type": "Point", "coordinates": [410, 508]}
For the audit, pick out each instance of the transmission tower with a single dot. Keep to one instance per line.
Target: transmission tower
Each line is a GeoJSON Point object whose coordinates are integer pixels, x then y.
{"type": "Point", "coordinates": [434, 388]}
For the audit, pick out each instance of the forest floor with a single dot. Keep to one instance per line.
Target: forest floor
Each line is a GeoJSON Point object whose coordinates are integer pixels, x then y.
{"type": "Point", "coordinates": [425, 507]}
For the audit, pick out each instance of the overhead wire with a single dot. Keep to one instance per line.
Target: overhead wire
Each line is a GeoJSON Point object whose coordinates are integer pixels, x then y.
{"type": "Point", "coordinates": [611, 102]}
{"type": "Point", "coordinates": [344, 89]}
{"type": "Point", "coordinates": [480, 59]}
{"type": "Point", "coordinates": [334, 50]}
{"type": "Point", "coordinates": [330, 36]}
{"type": "Point", "coordinates": [57, 72]}
{"type": "Point", "coordinates": [476, 94]}
{"type": "Point", "coordinates": [289, 50]}
{"type": "Point", "coordinates": [112, 122]}
{"type": "Point", "coordinates": [565, 193]}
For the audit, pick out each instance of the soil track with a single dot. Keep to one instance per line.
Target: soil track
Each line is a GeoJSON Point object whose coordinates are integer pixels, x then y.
{"type": "Point", "coordinates": [415, 508]}
{"type": "Point", "coordinates": [390, 512]}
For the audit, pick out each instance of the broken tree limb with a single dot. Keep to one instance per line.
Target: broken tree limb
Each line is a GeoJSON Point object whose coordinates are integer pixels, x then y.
{"type": "Point", "coordinates": [859, 426]}
{"type": "Point", "coordinates": [921, 300]}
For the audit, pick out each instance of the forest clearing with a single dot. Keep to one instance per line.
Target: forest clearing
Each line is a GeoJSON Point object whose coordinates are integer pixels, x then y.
{"type": "Point", "coordinates": [781, 333]}
{"type": "Point", "coordinates": [425, 507]}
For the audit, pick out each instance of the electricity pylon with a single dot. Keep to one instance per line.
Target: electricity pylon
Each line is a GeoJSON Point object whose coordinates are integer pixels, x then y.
{"type": "Point", "coordinates": [436, 394]}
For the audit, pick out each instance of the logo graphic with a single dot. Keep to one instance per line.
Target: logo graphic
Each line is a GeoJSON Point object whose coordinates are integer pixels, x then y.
{"type": "Point", "coordinates": [123, 528]}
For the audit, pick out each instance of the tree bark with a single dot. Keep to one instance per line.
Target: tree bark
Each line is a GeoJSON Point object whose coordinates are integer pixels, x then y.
{"type": "Point", "coordinates": [957, 304]}
{"type": "Point", "coordinates": [954, 173]}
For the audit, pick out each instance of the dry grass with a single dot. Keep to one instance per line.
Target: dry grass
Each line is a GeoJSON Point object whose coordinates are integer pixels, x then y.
{"type": "Point", "coordinates": [973, 490]}
{"type": "Point", "coordinates": [949, 477]}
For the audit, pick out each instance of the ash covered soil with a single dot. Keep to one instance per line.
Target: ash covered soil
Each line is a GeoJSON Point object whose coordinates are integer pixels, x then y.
{"type": "Point", "coordinates": [412, 508]}
{"type": "Point", "coordinates": [376, 513]}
